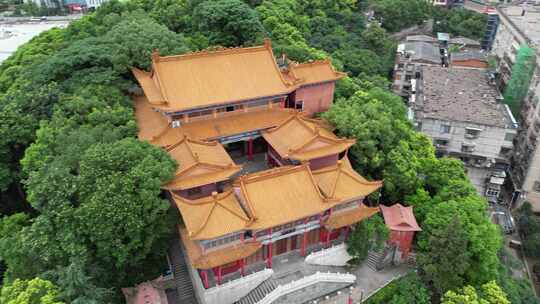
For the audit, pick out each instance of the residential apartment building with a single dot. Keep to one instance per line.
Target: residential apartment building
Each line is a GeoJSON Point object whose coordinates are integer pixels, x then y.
{"type": "Point", "coordinates": [257, 177]}
{"type": "Point", "coordinates": [463, 114]}
{"type": "Point", "coordinates": [519, 25]}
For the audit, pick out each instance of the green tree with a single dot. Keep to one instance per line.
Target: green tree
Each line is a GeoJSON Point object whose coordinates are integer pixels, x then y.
{"type": "Point", "coordinates": [369, 234]}
{"type": "Point", "coordinates": [522, 72]}
{"type": "Point", "coordinates": [395, 16]}
{"type": "Point", "coordinates": [227, 22]}
{"type": "Point", "coordinates": [35, 291]}
{"type": "Point", "coordinates": [479, 242]}
{"type": "Point", "coordinates": [490, 293]}
{"type": "Point", "coordinates": [446, 258]}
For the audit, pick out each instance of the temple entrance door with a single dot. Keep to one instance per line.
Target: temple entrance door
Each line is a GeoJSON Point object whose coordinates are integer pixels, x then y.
{"type": "Point", "coordinates": [294, 241]}
{"type": "Point", "coordinates": [281, 246]}
{"type": "Point", "coordinates": [290, 101]}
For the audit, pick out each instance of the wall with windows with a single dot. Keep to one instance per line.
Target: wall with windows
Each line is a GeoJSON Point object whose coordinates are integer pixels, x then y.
{"type": "Point", "coordinates": [468, 139]}
{"type": "Point", "coordinates": [315, 98]}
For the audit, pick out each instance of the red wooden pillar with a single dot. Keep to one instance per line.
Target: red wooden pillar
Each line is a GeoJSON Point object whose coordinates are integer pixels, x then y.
{"type": "Point", "coordinates": [269, 258]}
{"type": "Point", "coordinates": [204, 276]}
{"type": "Point", "coordinates": [304, 240]}
{"type": "Point", "coordinates": [269, 247]}
{"type": "Point", "coordinates": [243, 267]}
{"type": "Point", "coordinates": [219, 277]}
{"type": "Point", "coordinates": [328, 233]}
{"type": "Point", "coordinates": [250, 149]}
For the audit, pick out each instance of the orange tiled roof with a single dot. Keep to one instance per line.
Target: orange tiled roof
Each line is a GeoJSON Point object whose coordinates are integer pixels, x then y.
{"type": "Point", "coordinates": [151, 123]}
{"type": "Point", "coordinates": [211, 217]}
{"type": "Point", "coordinates": [215, 77]}
{"type": "Point", "coordinates": [218, 257]}
{"type": "Point", "coordinates": [343, 183]}
{"type": "Point", "coordinates": [281, 195]}
{"type": "Point", "coordinates": [400, 218]}
{"type": "Point", "coordinates": [200, 163]}
{"type": "Point", "coordinates": [304, 139]}
{"type": "Point", "coordinates": [313, 72]}
{"type": "Point", "coordinates": [350, 217]}
{"type": "Point", "coordinates": [230, 124]}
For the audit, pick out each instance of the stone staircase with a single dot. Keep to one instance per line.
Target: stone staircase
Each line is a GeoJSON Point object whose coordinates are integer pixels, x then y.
{"type": "Point", "coordinates": [259, 292]}
{"type": "Point", "coordinates": [374, 259]}
{"type": "Point", "coordinates": [182, 280]}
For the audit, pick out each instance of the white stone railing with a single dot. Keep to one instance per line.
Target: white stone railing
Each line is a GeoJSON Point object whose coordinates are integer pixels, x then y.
{"type": "Point", "coordinates": [333, 256]}
{"type": "Point", "coordinates": [304, 282]}
{"type": "Point", "coordinates": [234, 290]}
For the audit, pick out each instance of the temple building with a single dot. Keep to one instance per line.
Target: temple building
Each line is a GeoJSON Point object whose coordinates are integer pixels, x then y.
{"type": "Point", "coordinates": [258, 177]}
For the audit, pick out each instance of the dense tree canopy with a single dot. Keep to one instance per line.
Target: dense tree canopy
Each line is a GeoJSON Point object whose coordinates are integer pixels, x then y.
{"type": "Point", "coordinates": [367, 235]}
{"type": "Point", "coordinates": [490, 293]}
{"type": "Point", "coordinates": [80, 197]}
{"type": "Point", "coordinates": [35, 291]}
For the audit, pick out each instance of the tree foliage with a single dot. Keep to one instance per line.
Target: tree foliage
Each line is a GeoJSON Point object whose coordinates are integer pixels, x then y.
{"type": "Point", "coordinates": [367, 235]}
{"type": "Point", "coordinates": [490, 293]}
{"type": "Point", "coordinates": [35, 291]}
{"type": "Point", "coordinates": [459, 22]}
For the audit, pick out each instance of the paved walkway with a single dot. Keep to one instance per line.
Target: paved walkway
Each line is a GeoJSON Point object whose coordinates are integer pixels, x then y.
{"type": "Point", "coordinates": [368, 282]}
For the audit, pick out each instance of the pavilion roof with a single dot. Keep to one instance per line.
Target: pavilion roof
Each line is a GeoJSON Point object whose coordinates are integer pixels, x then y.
{"type": "Point", "coordinates": [301, 138]}
{"type": "Point", "coordinates": [313, 72]}
{"type": "Point", "coordinates": [210, 129]}
{"type": "Point", "coordinates": [218, 257]}
{"type": "Point", "coordinates": [349, 217]}
{"type": "Point", "coordinates": [199, 163]}
{"type": "Point", "coordinates": [281, 195]}
{"type": "Point", "coordinates": [343, 183]}
{"type": "Point", "coordinates": [151, 123]}
{"type": "Point", "coordinates": [400, 218]}
{"type": "Point", "coordinates": [212, 217]}
{"type": "Point", "coordinates": [212, 77]}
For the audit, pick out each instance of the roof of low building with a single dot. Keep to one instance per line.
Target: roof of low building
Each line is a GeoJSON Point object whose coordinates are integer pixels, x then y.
{"type": "Point", "coordinates": [400, 218]}
{"type": "Point", "coordinates": [314, 72]}
{"type": "Point", "coordinates": [423, 51]}
{"type": "Point", "coordinates": [301, 138]}
{"type": "Point", "coordinates": [212, 217]}
{"type": "Point", "coordinates": [468, 55]}
{"type": "Point", "coordinates": [150, 292]}
{"type": "Point", "coordinates": [281, 195]}
{"type": "Point", "coordinates": [200, 163]}
{"type": "Point", "coordinates": [343, 183]}
{"type": "Point", "coordinates": [422, 38]}
{"type": "Point", "coordinates": [349, 217]}
{"type": "Point", "coordinates": [461, 94]}
{"type": "Point", "coordinates": [464, 41]}
{"type": "Point", "coordinates": [219, 257]}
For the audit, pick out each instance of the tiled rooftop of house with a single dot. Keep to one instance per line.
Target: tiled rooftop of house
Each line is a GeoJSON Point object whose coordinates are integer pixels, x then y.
{"type": "Point", "coordinates": [461, 94]}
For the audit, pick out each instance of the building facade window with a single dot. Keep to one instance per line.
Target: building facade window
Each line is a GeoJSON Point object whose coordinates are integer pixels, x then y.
{"type": "Point", "coordinates": [536, 186]}
{"type": "Point", "coordinates": [467, 148]}
{"type": "Point", "coordinates": [299, 105]}
{"type": "Point", "coordinates": [471, 133]}
{"type": "Point", "coordinates": [441, 143]}
{"type": "Point", "coordinates": [194, 191]}
{"type": "Point", "coordinates": [445, 129]}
